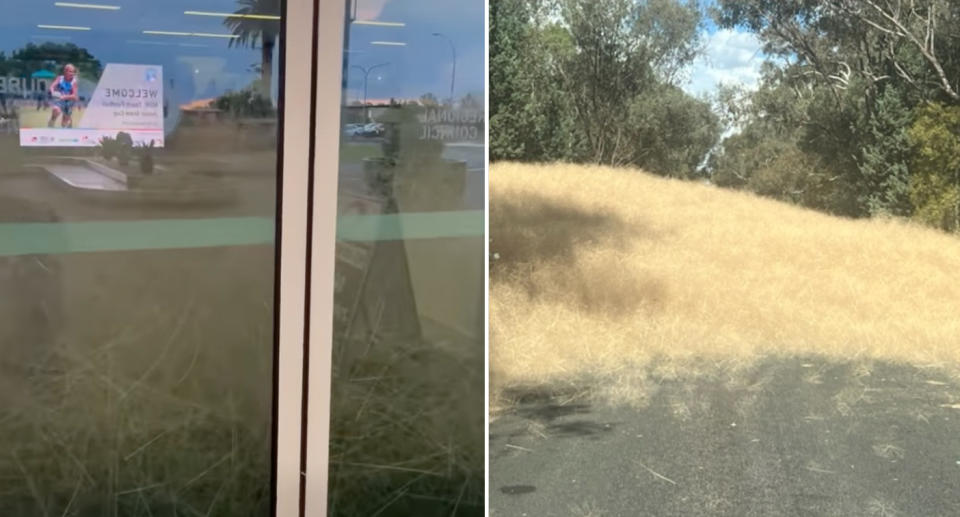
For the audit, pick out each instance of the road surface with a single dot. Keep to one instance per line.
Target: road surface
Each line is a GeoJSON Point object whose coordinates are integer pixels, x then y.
{"type": "Point", "coordinates": [791, 438]}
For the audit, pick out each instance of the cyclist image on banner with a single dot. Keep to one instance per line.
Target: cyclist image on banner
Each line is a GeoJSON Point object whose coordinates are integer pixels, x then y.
{"type": "Point", "coordinates": [65, 93]}
{"type": "Point", "coordinates": [85, 107]}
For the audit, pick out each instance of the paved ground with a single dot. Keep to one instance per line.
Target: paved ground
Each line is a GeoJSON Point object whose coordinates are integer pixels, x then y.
{"type": "Point", "coordinates": [351, 173]}
{"type": "Point", "coordinates": [472, 153]}
{"type": "Point", "coordinates": [791, 438]}
{"type": "Point", "coordinates": [252, 179]}
{"type": "Point", "coordinates": [254, 196]}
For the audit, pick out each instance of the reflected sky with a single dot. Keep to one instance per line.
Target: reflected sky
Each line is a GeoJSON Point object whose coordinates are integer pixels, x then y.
{"type": "Point", "coordinates": [425, 63]}
{"type": "Point", "coordinates": [205, 67]}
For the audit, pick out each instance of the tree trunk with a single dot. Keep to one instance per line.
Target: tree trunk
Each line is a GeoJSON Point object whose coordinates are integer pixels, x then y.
{"type": "Point", "coordinates": [266, 63]}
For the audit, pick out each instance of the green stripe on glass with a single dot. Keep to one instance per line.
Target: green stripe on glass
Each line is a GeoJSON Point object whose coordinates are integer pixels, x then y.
{"type": "Point", "coordinates": [418, 225]}
{"type": "Point", "coordinates": [81, 237]}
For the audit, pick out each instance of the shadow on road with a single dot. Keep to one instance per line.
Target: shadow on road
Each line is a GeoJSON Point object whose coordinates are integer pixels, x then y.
{"type": "Point", "coordinates": [784, 437]}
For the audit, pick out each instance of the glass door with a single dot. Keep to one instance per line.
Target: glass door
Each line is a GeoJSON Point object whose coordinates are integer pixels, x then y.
{"type": "Point", "coordinates": [151, 300]}
{"type": "Point", "coordinates": [396, 352]}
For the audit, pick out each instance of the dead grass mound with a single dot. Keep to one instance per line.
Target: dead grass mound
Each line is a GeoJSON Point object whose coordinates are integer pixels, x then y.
{"type": "Point", "coordinates": [602, 271]}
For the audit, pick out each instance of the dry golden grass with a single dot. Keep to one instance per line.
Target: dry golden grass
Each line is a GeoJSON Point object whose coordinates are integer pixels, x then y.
{"type": "Point", "coordinates": [604, 271]}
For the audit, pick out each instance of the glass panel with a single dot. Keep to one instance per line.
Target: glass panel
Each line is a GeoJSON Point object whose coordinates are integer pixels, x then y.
{"type": "Point", "coordinates": [407, 428]}
{"type": "Point", "coordinates": [137, 198]}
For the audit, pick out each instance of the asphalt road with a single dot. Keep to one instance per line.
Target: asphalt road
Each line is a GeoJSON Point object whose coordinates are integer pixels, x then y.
{"type": "Point", "coordinates": [471, 153]}
{"type": "Point", "coordinates": [791, 438]}
{"type": "Point", "coordinates": [351, 174]}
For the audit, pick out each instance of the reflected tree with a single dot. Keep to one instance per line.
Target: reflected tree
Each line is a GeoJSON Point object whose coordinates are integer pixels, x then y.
{"type": "Point", "coordinates": [257, 21]}
{"type": "Point", "coordinates": [50, 56]}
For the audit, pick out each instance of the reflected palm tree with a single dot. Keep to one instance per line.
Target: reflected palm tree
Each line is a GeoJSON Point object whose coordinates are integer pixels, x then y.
{"type": "Point", "coordinates": [254, 22]}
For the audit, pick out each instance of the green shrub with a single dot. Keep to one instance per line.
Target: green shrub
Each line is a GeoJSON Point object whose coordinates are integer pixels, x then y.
{"type": "Point", "coordinates": [245, 104]}
{"type": "Point", "coordinates": [935, 179]}
{"type": "Point", "coordinates": [402, 143]}
{"type": "Point", "coordinates": [108, 148]}
{"type": "Point", "coordinates": [671, 132]}
{"type": "Point", "coordinates": [123, 147]}
{"type": "Point", "coordinates": [800, 178]}
{"type": "Point", "coordinates": [145, 155]}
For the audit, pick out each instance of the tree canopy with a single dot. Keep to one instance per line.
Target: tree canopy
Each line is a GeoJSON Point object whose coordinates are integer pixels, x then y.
{"type": "Point", "coordinates": [597, 81]}
{"type": "Point", "coordinates": [847, 80]}
{"type": "Point", "coordinates": [52, 57]}
{"type": "Point", "coordinates": [856, 112]}
{"type": "Point", "coordinates": [258, 23]}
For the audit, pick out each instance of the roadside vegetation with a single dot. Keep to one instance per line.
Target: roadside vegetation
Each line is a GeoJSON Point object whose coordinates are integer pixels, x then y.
{"type": "Point", "coordinates": [809, 213]}
{"type": "Point", "coordinates": [604, 272]}
{"type": "Point", "coordinates": [857, 111]}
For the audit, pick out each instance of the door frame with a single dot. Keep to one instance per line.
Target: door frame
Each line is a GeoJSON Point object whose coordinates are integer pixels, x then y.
{"type": "Point", "coordinates": [311, 53]}
{"type": "Point", "coordinates": [305, 234]}
{"type": "Point", "coordinates": [329, 40]}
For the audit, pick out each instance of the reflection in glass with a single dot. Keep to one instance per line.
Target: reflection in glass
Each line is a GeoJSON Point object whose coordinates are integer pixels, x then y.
{"type": "Point", "coordinates": [137, 195]}
{"type": "Point", "coordinates": [407, 428]}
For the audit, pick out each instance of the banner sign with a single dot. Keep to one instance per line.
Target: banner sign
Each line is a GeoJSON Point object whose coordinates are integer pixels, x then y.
{"type": "Point", "coordinates": [461, 125]}
{"type": "Point", "coordinates": [127, 98]}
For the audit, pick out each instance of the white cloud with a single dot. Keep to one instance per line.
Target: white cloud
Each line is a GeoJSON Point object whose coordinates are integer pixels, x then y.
{"type": "Point", "coordinates": [731, 57]}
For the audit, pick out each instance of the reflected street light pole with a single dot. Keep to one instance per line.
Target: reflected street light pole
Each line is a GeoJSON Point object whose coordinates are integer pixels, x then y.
{"type": "Point", "coordinates": [366, 74]}
{"type": "Point", "coordinates": [453, 76]}
{"type": "Point", "coordinates": [349, 15]}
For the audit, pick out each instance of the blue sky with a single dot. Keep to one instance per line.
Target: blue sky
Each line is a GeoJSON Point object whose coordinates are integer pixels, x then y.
{"type": "Point", "coordinates": [204, 67]}
{"type": "Point", "coordinates": [425, 63]}
{"type": "Point", "coordinates": [731, 56]}
{"type": "Point", "coordinates": [199, 66]}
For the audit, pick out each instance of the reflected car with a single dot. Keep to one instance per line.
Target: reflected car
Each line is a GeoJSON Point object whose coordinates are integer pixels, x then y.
{"type": "Point", "coordinates": [373, 129]}
{"type": "Point", "coordinates": [353, 129]}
